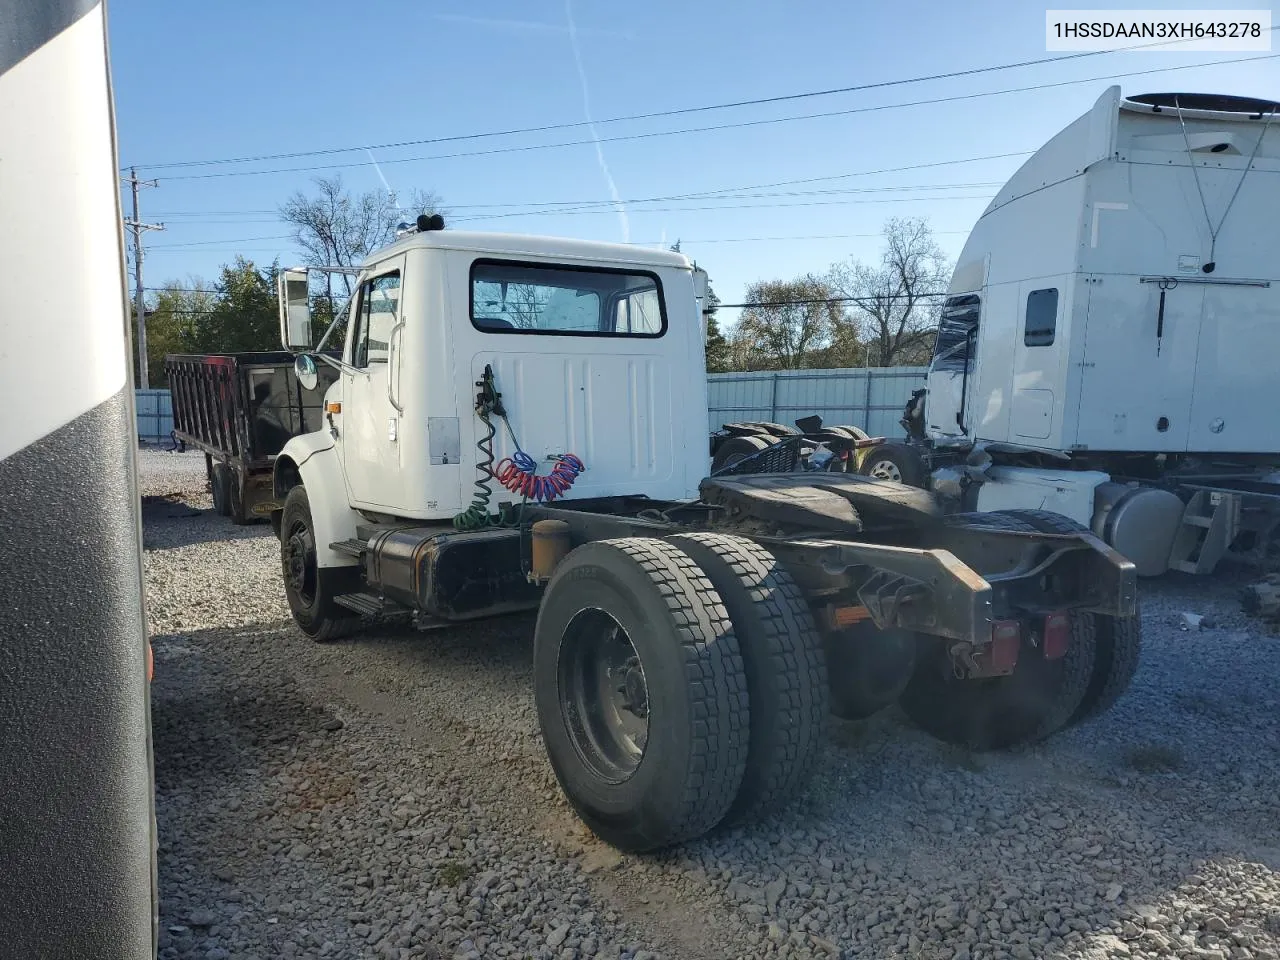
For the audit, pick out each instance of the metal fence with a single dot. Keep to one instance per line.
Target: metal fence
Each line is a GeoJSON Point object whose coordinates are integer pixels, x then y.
{"type": "Point", "coordinates": [872, 398]}
{"type": "Point", "coordinates": [155, 415]}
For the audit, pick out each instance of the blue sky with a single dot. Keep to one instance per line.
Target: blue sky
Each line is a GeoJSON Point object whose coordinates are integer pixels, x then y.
{"type": "Point", "coordinates": [232, 79]}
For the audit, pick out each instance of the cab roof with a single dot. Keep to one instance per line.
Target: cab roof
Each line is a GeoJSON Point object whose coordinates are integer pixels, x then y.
{"type": "Point", "coordinates": [540, 247]}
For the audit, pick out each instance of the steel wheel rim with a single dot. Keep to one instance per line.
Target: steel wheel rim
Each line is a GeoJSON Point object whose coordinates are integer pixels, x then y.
{"type": "Point", "coordinates": [300, 562]}
{"type": "Point", "coordinates": [604, 696]}
{"type": "Point", "coordinates": [885, 470]}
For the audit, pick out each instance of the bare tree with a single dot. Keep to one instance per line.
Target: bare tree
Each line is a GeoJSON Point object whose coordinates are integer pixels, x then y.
{"type": "Point", "coordinates": [896, 304]}
{"type": "Point", "coordinates": [791, 322]}
{"type": "Point", "coordinates": [336, 228]}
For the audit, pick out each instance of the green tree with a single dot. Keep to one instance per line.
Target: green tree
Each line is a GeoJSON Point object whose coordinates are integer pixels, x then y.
{"type": "Point", "coordinates": [174, 316]}
{"type": "Point", "coordinates": [719, 358]}
{"type": "Point", "coordinates": [244, 316]}
{"type": "Point", "coordinates": [789, 325]}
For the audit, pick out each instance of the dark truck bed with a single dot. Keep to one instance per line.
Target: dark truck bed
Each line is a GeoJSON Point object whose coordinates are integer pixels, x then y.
{"type": "Point", "coordinates": [241, 409]}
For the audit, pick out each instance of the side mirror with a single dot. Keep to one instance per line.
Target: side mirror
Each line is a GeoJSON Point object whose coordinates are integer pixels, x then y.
{"type": "Point", "coordinates": [304, 368]}
{"type": "Point", "coordinates": [293, 292]}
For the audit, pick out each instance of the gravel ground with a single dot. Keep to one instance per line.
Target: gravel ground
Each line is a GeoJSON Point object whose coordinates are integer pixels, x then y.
{"type": "Point", "coordinates": [387, 796]}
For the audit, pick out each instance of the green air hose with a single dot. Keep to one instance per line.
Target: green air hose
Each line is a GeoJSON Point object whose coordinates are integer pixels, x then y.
{"type": "Point", "coordinates": [476, 516]}
{"type": "Point", "coordinates": [517, 473]}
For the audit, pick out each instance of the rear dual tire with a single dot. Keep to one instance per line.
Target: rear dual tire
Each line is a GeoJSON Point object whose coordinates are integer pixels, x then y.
{"type": "Point", "coordinates": [680, 685]}
{"type": "Point", "coordinates": [1038, 699]}
{"type": "Point", "coordinates": [641, 693]}
{"type": "Point", "coordinates": [1119, 639]}
{"type": "Point", "coordinates": [783, 662]}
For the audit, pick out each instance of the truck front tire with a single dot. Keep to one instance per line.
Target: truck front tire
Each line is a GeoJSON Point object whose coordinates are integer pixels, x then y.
{"type": "Point", "coordinates": [311, 589]}
{"type": "Point", "coordinates": [640, 692]}
{"type": "Point", "coordinates": [785, 668]}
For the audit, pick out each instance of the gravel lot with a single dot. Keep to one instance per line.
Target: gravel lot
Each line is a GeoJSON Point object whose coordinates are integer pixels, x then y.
{"type": "Point", "coordinates": [387, 796]}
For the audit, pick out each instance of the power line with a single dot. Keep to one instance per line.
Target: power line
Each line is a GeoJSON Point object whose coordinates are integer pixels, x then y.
{"type": "Point", "coordinates": [697, 195]}
{"type": "Point", "coordinates": [726, 193]}
{"type": "Point", "coordinates": [204, 243]}
{"type": "Point", "coordinates": [226, 242]}
{"type": "Point", "coordinates": [713, 128]}
{"type": "Point", "coordinates": [727, 206]}
{"type": "Point", "coordinates": [682, 111]}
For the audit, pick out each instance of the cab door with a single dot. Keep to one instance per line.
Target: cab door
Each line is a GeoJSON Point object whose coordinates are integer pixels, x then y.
{"type": "Point", "coordinates": [371, 411]}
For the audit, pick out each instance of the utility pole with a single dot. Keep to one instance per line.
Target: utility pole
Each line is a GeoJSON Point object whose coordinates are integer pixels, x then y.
{"type": "Point", "coordinates": [140, 304]}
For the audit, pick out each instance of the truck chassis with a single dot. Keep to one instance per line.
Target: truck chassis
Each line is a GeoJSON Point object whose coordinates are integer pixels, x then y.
{"type": "Point", "coordinates": [686, 654]}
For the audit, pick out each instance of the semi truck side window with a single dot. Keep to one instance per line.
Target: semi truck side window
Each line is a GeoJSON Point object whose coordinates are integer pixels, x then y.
{"type": "Point", "coordinates": [1042, 318]}
{"type": "Point", "coordinates": [379, 307]}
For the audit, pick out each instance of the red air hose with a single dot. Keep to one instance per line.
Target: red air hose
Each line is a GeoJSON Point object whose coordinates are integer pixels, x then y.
{"type": "Point", "coordinates": [518, 473]}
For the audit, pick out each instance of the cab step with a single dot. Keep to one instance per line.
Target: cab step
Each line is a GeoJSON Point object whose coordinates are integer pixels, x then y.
{"type": "Point", "coordinates": [351, 548]}
{"type": "Point", "coordinates": [369, 605]}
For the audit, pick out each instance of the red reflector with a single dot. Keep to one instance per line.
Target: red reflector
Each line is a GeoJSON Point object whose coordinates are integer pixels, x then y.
{"type": "Point", "coordinates": [1006, 637]}
{"type": "Point", "coordinates": [1057, 635]}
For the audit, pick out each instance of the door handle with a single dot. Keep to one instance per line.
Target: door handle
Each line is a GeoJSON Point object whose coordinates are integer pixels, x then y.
{"type": "Point", "coordinates": [393, 366]}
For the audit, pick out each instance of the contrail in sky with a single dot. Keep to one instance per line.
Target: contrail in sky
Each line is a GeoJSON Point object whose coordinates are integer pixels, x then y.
{"type": "Point", "coordinates": [391, 193]}
{"type": "Point", "coordinates": [586, 109]}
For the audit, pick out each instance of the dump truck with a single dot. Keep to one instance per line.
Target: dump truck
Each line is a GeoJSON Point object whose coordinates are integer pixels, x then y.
{"type": "Point", "coordinates": [518, 425]}
{"type": "Point", "coordinates": [240, 409]}
{"type": "Point", "coordinates": [1106, 345]}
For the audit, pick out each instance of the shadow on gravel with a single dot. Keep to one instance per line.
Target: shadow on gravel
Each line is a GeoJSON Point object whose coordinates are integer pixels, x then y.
{"type": "Point", "coordinates": [211, 725]}
{"type": "Point", "coordinates": [170, 521]}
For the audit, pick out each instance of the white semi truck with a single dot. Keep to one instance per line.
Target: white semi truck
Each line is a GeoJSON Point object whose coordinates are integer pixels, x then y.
{"type": "Point", "coordinates": [1107, 348]}
{"type": "Point", "coordinates": [518, 425]}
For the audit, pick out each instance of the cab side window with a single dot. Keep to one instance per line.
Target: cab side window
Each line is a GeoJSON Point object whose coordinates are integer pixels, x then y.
{"type": "Point", "coordinates": [1042, 318]}
{"type": "Point", "coordinates": [377, 313]}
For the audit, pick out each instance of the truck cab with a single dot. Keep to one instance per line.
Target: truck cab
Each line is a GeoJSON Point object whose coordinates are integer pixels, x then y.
{"type": "Point", "coordinates": [596, 349]}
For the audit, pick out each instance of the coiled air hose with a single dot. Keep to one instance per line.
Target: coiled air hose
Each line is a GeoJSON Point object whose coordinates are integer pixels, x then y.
{"type": "Point", "coordinates": [517, 473]}
{"type": "Point", "coordinates": [476, 516]}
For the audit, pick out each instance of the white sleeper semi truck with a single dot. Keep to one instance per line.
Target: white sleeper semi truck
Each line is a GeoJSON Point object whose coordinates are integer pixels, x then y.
{"type": "Point", "coordinates": [1107, 347]}
{"type": "Point", "coordinates": [518, 424]}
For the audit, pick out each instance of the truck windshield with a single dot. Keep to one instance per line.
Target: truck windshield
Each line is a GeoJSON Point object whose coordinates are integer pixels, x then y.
{"type": "Point", "coordinates": [955, 332]}
{"type": "Point", "coordinates": [524, 298]}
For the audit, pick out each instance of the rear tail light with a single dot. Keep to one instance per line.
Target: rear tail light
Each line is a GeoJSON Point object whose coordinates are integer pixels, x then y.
{"type": "Point", "coordinates": [1000, 656]}
{"type": "Point", "coordinates": [1057, 635]}
{"type": "Point", "coordinates": [1006, 637]}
